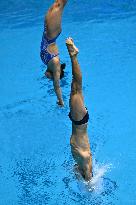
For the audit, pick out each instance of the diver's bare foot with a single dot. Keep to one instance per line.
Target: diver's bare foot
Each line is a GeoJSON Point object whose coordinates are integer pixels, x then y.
{"type": "Point", "coordinates": [72, 49]}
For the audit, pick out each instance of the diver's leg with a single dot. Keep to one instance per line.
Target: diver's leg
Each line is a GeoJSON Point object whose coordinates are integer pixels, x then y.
{"type": "Point", "coordinates": [53, 18]}
{"type": "Point", "coordinates": [77, 108]}
{"type": "Point", "coordinates": [76, 72]}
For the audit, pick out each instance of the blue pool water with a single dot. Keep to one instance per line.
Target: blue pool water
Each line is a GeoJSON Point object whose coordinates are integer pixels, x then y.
{"type": "Point", "coordinates": [36, 166]}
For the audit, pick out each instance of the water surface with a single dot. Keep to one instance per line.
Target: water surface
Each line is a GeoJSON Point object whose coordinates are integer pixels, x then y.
{"type": "Point", "coordinates": [36, 165]}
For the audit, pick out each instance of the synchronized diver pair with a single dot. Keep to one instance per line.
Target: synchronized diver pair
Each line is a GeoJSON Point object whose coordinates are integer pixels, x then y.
{"type": "Point", "coordinates": [79, 115]}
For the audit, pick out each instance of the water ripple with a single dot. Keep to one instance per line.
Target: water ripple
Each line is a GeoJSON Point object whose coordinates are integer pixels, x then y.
{"type": "Point", "coordinates": [33, 181]}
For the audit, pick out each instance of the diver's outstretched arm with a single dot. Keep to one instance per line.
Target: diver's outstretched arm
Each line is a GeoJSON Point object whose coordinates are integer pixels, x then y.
{"type": "Point", "coordinates": [56, 80]}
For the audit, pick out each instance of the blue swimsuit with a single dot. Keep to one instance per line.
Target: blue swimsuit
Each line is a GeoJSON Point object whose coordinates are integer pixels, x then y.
{"type": "Point", "coordinates": [44, 53]}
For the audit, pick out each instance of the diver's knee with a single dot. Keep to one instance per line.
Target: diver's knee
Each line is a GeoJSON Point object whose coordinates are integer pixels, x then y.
{"type": "Point", "coordinates": [54, 62]}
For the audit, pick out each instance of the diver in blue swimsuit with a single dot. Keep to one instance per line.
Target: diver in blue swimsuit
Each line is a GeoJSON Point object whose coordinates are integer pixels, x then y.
{"type": "Point", "coordinates": [46, 56]}
{"type": "Point", "coordinates": [79, 116]}
{"type": "Point", "coordinates": [49, 51]}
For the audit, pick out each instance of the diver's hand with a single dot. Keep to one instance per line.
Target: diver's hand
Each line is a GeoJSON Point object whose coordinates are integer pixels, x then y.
{"type": "Point", "coordinates": [60, 103]}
